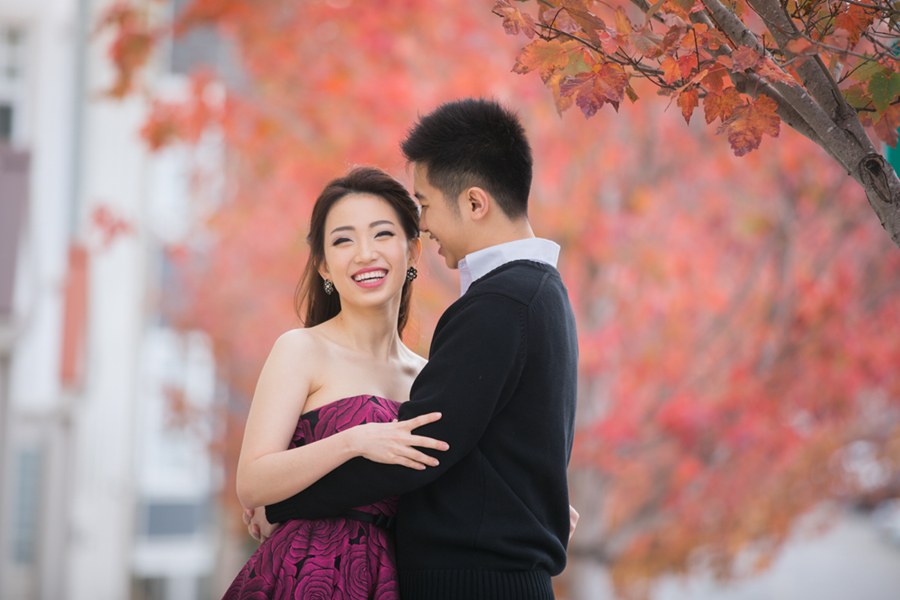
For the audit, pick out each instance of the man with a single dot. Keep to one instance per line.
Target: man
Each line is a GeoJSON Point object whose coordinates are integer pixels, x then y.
{"type": "Point", "coordinates": [492, 520]}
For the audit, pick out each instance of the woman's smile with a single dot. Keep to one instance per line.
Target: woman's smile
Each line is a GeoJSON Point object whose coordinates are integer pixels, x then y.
{"type": "Point", "coordinates": [371, 277]}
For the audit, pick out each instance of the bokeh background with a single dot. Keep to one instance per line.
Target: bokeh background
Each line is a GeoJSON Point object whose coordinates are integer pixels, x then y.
{"type": "Point", "coordinates": [739, 407]}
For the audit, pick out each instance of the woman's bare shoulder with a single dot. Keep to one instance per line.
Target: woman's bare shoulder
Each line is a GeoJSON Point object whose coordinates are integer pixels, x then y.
{"type": "Point", "coordinates": [301, 342]}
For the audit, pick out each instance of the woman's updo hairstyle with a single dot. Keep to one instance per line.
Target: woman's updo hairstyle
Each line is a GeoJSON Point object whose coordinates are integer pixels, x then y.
{"type": "Point", "coordinates": [310, 294]}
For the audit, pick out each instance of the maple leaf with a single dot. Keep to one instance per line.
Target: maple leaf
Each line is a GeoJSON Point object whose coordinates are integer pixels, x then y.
{"type": "Point", "coordinates": [854, 20]}
{"type": "Point", "coordinates": [514, 20]}
{"type": "Point", "coordinates": [887, 124]}
{"type": "Point", "coordinates": [563, 103]}
{"type": "Point", "coordinates": [647, 42]}
{"type": "Point", "coordinates": [748, 124]}
{"type": "Point", "coordinates": [687, 64]}
{"type": "Point", "coordinates": [714, 80]}
{"type": "Point", "coordinates": [610, 82]}
{"type": "Point", "coordinates": [857, 97]}
{"type": "Point", "coordinates": [744, 58]}
{"type": "Point", "coordinates": [671, 70]}
{"type": "Point", "coordinates": [605, 83]}
{"type": "Point", "coordinates": [623, 23]}
{"type": "Point", "coordinates": [801, 47]}
{"type": "Point", "coordinates": [884, 88]}
{"type": "Point", "coordinates": [688, 101]}
{"type": "Point", "coordinates": [590, 23]}
{"type": "Point", "coordinates": [721, 105]}
{"type": "Point", "coordinates": [545, 57]}
{"type": "Point", "coordinates": [770, 70]}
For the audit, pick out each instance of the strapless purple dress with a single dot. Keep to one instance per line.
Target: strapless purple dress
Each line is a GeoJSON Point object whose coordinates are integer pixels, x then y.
{"type": "Point", "coordinates": [337, 558]}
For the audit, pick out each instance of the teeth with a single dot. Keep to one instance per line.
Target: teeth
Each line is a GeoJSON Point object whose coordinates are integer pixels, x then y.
{"type": "Point", "coordinates": [370, 275]}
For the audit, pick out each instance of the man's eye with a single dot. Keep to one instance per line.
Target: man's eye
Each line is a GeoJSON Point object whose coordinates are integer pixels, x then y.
{"type": "Point", "coordinates": [340, 241]}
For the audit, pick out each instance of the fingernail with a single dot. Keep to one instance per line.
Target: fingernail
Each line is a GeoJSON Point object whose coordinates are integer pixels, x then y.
{"type": "Point", "coordinates": [435, 463]}
{"type": "Point", "coordinates": [445, 447]}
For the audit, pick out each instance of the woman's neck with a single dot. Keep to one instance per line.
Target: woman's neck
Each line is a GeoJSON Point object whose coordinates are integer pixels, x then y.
{"type": "Point", "coordinates": [370, 330]}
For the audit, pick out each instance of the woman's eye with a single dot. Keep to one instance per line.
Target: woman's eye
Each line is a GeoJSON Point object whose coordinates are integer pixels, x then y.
{"type": "Point", "coordinates": [340, 241]}
{"type": "Point", "coordinates": [381, 233]}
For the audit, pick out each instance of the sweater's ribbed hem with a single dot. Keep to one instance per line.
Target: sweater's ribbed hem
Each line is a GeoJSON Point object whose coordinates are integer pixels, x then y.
{"type": "Point", "coordinates": [475, 584]}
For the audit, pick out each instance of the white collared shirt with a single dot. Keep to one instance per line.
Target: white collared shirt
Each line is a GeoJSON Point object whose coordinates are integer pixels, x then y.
{"type": "Point", "coordinates": [478, 264]}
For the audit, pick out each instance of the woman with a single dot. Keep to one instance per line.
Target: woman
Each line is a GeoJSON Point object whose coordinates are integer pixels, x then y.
{"type": "Point", "coordinates": [330, 392]}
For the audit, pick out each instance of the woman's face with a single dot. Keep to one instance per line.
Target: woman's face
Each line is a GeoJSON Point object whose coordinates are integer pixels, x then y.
{"type": "Point", "coordinates": [366, 250]}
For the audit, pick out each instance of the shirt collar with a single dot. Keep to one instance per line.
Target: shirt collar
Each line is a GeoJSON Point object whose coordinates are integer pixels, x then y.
{"type": "Point", "coordinates": [478, 264]}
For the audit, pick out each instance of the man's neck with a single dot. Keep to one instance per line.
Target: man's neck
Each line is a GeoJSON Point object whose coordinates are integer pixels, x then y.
{"type": "Point", "coordinates": [494, 236]}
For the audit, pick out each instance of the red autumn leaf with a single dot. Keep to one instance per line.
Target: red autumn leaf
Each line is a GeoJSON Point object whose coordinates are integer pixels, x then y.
{"type": "Point", "coordinates": [671, 70]}
{"type": "Point", "coordinates": [744, 58]}
{"type": "Point", "coordinates": [886, 126]}
{"type": "Point", "coordinates": [715, 78]}
{"type": "Point", "coordinates": [748, 124]}
{"type": "Point", "coordinates": [854, 20]}
{"type": "Point", "coordinates": [581, 88]}
{"type": "Point", "coordinates": [687, 64]}
{"type": "Point", "coordinates": [545, 57]}
{"type": "Point", "coordinates": [580, 13]}
{"type": "Point", "coordinates": [610, 83]}
{"type": "Point", "coordinates": [647, 42]}
{"type": "Point", "coordinates": [721, 105]}
{"type": "Point", "coordinates": [775, 74]}
{"type": "Point", "coordinates": [688, 101]}
{"type": "Point", "coordinates": [623, 23]}
{"type": "Point", "coordinates": [801, 47]}
{"type": "Point", "coordinates": [514, 20]}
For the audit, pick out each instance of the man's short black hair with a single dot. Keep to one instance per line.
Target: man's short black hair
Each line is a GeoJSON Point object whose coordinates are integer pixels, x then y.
{"type": "Point", "coordinates": [474, 143]}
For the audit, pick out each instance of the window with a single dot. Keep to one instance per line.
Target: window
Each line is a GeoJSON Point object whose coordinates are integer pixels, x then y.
{"type": "Point", "coordinates": [27, 500]}
{"type": "Point", "coordinates": [6, 116]}
{"type": "Point", "coordinates": [12, 53]}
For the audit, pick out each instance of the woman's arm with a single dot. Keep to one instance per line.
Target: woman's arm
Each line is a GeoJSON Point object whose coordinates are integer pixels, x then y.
{"type": "Point", "coordinates": [268, 473]}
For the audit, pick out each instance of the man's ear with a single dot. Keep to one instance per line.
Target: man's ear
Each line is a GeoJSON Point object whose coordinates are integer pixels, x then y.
{"type": "Point", "coordinates": [415, 251]}
{"type": "Point", "coordinates": [477, 203]}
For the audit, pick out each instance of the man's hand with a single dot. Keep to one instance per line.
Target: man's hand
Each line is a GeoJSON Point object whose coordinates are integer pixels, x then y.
{"type": "Point", "coordinates": [259, 528]}
{"type": "Point", "coordinates": [573, 520]}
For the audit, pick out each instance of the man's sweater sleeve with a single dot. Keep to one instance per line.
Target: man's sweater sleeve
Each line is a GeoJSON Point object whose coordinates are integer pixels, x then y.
{"type": "Point", "coordinates": [476, 361]}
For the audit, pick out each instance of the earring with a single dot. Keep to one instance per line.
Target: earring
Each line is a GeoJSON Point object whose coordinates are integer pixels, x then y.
{"type": "Point", "coordinates": [329, 287]}
{"type": "Point", "coordinates": [411, 273]}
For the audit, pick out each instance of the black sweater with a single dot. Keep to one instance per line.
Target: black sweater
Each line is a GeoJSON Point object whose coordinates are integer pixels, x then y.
{"type": "Point", "coordinates": [492, 521]}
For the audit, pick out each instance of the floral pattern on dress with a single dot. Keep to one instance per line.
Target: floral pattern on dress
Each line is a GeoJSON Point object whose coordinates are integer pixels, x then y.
{"type": "Point", "coordinates": [327, 559]}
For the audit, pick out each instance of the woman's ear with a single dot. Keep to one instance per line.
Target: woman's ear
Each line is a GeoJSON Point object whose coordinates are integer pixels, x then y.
{"type": "Point", "coordinates": [323, 270]}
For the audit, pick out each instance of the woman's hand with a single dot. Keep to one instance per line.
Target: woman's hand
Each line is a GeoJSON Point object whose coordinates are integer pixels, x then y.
{"type": "Point", "coordinates": [392, 443]}
{"type": "Point", "coordinates": [255, 520]}
{"type": "Point", "coordinates": [573, 520]}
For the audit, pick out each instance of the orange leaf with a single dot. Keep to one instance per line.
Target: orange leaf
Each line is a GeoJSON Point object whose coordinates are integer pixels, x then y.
{"type": "Point", "coordinates": [715, 78]}
{"type": "Point", "coordinates": [545, 57]}
{"type": "Point", "coordinates": [745, 58]}
{"type": "Point", "coordinates": [670, 69]}
{"type": "Point", "coordinates": [687, 64]}
{"type": "Point", "coordinates": [748, 124]}
{"type": "Point", "coordinates": [623, 23]}
{"type": "Point", "coordinates": [610, 82]}
{"type": "Point", "coordinates": [580, 13]}
{"type": "Point", "coordinates": [721, 105]}
{"type": "Point", "coordinates": [886, 126]}
{"type": "Point", "coordinates": [688, 101]}
{"type": "Point", "coordinates": [854, 20]}
{"type": "Point", "coordinates": [775, 74]}
{"type": "Point", "coordinates": [514, 20]}
{"type": "Point", "coordinates": [801, 47]}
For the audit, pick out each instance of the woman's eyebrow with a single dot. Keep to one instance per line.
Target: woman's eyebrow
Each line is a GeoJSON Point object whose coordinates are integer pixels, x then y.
{"type": "Point", "coordinates": [382, 222]}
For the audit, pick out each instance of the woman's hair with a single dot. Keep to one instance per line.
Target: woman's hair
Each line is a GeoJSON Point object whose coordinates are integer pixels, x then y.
{"type": "Point", "coordinates": [310, 293]}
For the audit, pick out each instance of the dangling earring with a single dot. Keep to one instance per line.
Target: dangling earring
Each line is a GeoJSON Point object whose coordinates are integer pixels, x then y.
{"type": "Point", "coordinates": [329, 287]}
{"type": "Point", "coordinates": [411, 273]}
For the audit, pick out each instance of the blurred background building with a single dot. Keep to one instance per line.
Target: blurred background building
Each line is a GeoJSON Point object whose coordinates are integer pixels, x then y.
{"type": "Point", "coordinates": [100, 495]}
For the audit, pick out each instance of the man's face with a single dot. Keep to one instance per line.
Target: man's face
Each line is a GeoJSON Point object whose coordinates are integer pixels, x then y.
{"type": "Point", "coordinates": [439, 220]}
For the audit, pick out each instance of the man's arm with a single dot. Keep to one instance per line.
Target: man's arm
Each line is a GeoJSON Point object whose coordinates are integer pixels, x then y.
{"type": "Point", "coordinates": [475, 365]}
